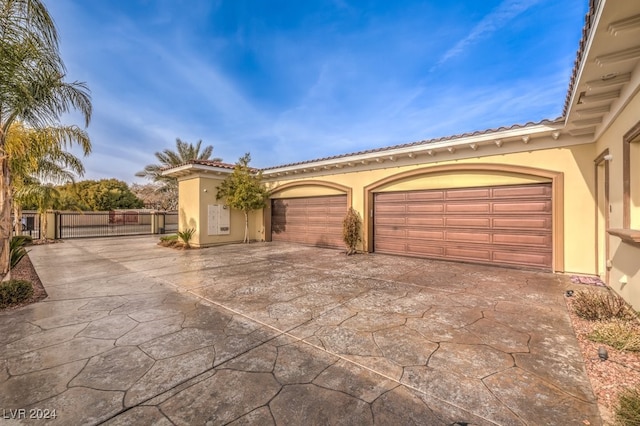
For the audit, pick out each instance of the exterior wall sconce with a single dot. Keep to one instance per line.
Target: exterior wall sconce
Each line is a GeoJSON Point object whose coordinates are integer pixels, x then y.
{"type": "Point", "coordinates": [608, 157]}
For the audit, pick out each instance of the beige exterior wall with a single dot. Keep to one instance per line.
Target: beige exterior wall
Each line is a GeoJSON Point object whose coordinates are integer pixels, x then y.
{"type": "Point", "coordinates": [575, 162]}
{"type": "Point", "coordinates": [196, 193]}
{"type": "Point", "coordinates": [624, 258]}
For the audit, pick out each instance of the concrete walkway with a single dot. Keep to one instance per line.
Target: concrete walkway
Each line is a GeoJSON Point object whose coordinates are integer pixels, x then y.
{"type": "Point", "coordinates": [133, 333]}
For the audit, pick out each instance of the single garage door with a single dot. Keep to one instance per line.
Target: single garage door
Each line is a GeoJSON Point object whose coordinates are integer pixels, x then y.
{"type": "Point", "coordinates": [504, 225]}
{"type": "Point", "coordinates": [315, 221]}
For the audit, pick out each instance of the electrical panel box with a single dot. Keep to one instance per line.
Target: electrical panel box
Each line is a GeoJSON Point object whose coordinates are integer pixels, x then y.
{"type": "Point", "coordinates": [219, 219]}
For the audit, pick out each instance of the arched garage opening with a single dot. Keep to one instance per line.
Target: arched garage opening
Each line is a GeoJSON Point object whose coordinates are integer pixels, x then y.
{"type": "Point", "coordinates": [484, 213]}
{"type": "Point", "coordinates": [307, 212]}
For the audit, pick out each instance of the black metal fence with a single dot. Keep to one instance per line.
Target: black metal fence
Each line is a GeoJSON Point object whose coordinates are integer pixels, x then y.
{"type": "Point", "coordinates": [29, 224]}
{"type": "Point", "coordinates": [113, 223]}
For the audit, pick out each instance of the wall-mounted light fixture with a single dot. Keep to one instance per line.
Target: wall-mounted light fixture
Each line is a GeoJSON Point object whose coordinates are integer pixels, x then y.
{"type": "Point", "coordinates": [608, 157]}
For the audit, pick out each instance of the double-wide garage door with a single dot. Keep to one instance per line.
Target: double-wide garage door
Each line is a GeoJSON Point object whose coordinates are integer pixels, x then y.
{"type": "Point", "coordinates": [505, 225]}
{"type": "Point", "coordinates": [315, 221]}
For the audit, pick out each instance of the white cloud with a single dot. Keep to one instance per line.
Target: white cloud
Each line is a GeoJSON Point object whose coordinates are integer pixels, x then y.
{"type": "Point", "coordinates": [505, 12]}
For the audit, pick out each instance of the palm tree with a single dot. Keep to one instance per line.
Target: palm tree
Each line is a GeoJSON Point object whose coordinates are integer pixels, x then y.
{"type": "Point", "coordinates": [32, 90]}
{"type": "Point", "coordinates": [167, 158]}
{"type": "Point", "coordinates": [44, 196]}
{"type": "Point", "coordinates": [36, 155]}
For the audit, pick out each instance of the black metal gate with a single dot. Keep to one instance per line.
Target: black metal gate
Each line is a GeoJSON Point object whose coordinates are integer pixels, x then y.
{"type": "Point", "coordinates": [102, 224]}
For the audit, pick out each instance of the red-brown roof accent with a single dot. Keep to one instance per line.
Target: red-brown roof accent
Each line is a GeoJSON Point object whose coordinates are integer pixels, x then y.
{"type": "Point", "coordinates": [423, 142]}
{"type": "Point", "coordinates": [586, 31]}
{"type": "Point", "coordinates": [208, 163]}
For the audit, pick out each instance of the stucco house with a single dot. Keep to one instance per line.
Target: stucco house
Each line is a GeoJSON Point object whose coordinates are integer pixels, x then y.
{"type": "Point", "coordinates": [560, 195]}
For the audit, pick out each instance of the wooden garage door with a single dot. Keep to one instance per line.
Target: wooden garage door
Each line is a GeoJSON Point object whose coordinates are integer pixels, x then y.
{"type": "Point", "coordinates": [505, 225]}
{"type": "Point", "coordinates": [315, 221]}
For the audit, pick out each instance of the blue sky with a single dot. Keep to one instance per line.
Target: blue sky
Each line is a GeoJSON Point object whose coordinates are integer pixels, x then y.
{"type": "Point", "coordinates": [294, 80]}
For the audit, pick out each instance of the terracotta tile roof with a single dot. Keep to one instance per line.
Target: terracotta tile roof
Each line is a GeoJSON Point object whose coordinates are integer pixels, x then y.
{"type": "Point", "coordinates": [421, 143]}
{"type": "Point", "coordinates": [207, 163]}
{"type": "Point", "coordinates": [586, 30]}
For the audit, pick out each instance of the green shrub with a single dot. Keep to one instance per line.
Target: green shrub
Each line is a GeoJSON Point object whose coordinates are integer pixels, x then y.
{"type": "Point", "coordinates": [186, 236]}
{"type": "Point", "coordinates": [601, 306]}
{"type": "Point", "coordinates": [627, 412]}
{"type": "Point", "coordinates": [351, 230]}
{"type": "Point", "coordinates": [172, 237]}
{"type": "Point", "coordinates": [619, 334]}
{"type": "Point", "coordinates": [14, 291]}
{"type": "Point", "coordinates": [16, 248]}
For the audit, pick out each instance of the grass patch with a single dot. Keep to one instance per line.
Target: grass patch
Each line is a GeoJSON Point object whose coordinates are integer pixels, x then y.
{"type": "Point", "coordinates": [601, 306]}
{"type": "Point", "coordinates": [13, 292]}
{"type": "Point", "coordinates": [627, 412]}
{"type": "Point", "coordinates": [619, 334]}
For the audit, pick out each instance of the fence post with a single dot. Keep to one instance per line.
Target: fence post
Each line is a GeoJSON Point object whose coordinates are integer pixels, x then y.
{"type": "Point", "coordinates": [154, 222]}
{"type": "Point", "coordinates": [50, 232]}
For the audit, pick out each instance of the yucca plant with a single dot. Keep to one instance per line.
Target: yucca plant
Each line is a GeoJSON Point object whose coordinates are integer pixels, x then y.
{"type": "Point", "coordinates": [17, 249]}
{"type": "Point", "coordinates": [186, 236]}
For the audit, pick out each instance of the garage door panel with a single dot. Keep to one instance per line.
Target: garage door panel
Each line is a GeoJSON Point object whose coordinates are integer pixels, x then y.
{"type": "Point", "coordinates": [533, 191]}
{"type": "Point", "coordinates": [391, 209]}
{"type": "Point", "coordinates": [509, 225]}
{"type": "Point", "coordinates": [468, 254]}
{"type": "Point", "coordinates": [543, 223]}
{"type": "Point", "coordinates": [422, 250]}
{"type": "Point", "coordinates": [457, 194]}
{"type": "Point", "coordinates": [468, 208]}
{"type": "Point", "coordinates": [540, 260]}
{"type": "Point", "coordinates": [424, 208]}
{"type": "Point", "coordinates": [468, 237]}
{"type": "Point", "coordinates": [392, 220]}
{"type": "Point", "coordinates": [426, 221]}
{"type": "Point", "coordinates": [424, 196]}
{"type": "Point", "coordinates": [392, 232]}
{"type": "Point", "coordinates": [467, 222]}
{"type": "Point", "coordinates": [314, 221]}
{"type": "Point", "coordinates": [391, 246]}
{"type": "Point", "coordinates": [523, 239]}
{"type": "Point", "coordinates": [425, 234]}
{"type": "Point", "coordinates": [390, 196]}
{"type": "Point", "coordinates": [524, 207]}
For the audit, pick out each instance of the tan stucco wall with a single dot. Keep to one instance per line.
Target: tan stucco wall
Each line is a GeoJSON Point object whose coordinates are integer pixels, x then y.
{"type": "Point", "coordinates": [196, 193]}
{"type": "Point", "coordinates": [624, 258]}
{"type": "Point", "coordinates": [635, 184]}
{"type": "Point", "coordinates": [189, 206]}
{"type": "Point", "coordinates": [576, 162]}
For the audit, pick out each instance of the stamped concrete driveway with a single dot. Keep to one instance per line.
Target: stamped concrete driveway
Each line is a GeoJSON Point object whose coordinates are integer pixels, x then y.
{"type": "Point", "coordinates": [133, 333]}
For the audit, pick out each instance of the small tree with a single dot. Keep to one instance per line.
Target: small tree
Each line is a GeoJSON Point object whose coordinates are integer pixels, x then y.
{"type": "Point", "coordinates": [243, 190]}
{"type": "Point", "coordinates": [351, 226]}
